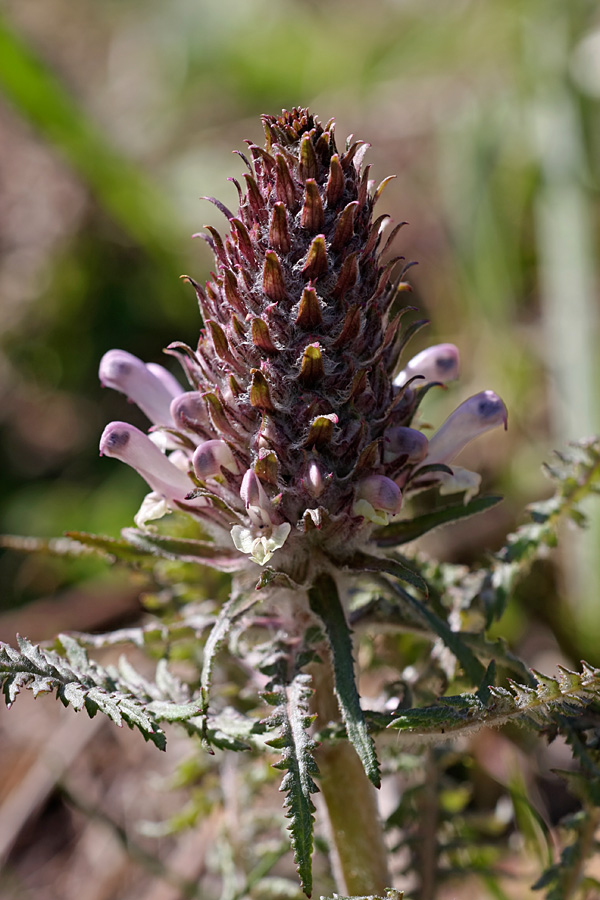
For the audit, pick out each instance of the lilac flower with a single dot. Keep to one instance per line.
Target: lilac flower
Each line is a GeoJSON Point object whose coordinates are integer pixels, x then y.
{"type": "Point", "coordinates": [408, 443]}
{"type": "Point", "coordinates": [212, 456]}
{"type": "Point", "coordinates": [474, 417]}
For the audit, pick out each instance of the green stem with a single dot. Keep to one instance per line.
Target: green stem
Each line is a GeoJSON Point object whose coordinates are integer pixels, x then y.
{"type": "Point", "coordinates": [359, 853]}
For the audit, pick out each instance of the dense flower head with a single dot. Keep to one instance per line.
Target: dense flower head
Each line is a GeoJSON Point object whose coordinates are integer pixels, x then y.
{"type": "Point", "coordinates": [295, 435]}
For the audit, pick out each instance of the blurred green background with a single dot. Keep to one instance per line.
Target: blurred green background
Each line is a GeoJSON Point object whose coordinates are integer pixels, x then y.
{"type": "Point", "coordinates": [116, 116]}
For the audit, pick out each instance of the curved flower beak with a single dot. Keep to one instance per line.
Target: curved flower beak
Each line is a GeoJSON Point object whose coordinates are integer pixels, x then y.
{"type": "Point", "coordinates": [438, 363]}
{"type": "Point", "coordinates": [127, 443]}
{"type": "Point", "coordinates": [258, 505]}
{"type": "Point", "coordinates": [475, 416]}
{"type": "Point", "coordinates": [150, 386]}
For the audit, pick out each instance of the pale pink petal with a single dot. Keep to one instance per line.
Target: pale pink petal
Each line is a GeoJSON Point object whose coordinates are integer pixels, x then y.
{"type": "Point", "coordinates": [403, 441]}
{"type": "Point", "coordinates": [381, 492]}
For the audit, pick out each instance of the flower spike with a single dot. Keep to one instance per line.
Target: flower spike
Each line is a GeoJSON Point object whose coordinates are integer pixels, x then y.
{"type": "Point", "coordinates": [293, 418]}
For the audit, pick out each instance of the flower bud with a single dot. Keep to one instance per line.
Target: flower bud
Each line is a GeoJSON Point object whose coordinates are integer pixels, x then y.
{"type": "Point", "coordinates": [150, 387]}
{"type": "Point", "coordinates": [403, 441]}
{"type": "Point", "coordinates": [189, 412]}
{"type": "Point", "coordinates": [376, 498]}
{"type": "Point", "coordinates": [127, 443]}
{"type": "Point", "coordinates": [380, 492]}
{"type": "Point", "coordinates": [255, 499]}
{"type": "Point", "coordinates": [210, 457]}
{"type": "Point", "coordinates": [475, 416]}
{"type": "Point", "coordinates": [314, 480]}
{"type": "Point", "coordinates": [437, 363]}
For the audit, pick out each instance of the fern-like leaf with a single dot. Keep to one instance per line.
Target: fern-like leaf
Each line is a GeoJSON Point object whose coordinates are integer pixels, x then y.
{"type": "Point", "coordinates": [469, 712]}
{"type": "Point", "coordinates": [236, 606]}
{"type": "Point", "coordinates": [77, 682]}
{"type": "Point", "coordinates": [424, 615]}
{"type": "Point", "coordinates": [576, 474]}
{"type": "Point", "coordinates": [291, 719]}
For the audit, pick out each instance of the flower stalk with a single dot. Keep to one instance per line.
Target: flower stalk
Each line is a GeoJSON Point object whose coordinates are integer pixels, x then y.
{"type": "Point", "coordinates": [359, 854]}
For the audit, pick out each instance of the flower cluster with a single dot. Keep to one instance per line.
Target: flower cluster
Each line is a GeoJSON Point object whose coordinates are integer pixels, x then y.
{"type": "Point", "coordinates": [295, 436]}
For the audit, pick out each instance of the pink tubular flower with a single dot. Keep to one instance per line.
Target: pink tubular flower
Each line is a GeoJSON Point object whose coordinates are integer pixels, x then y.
{"type": "Point", "coordinates": [475, 416]}
{"type": "Point", "coordinates": [437, 363]}
{"type": "Point", "coordinates": [127, 443]}
{"type": "Point", "coordinates": [150, 386]}
{"type": "Point", "coordinates": [168, 381]}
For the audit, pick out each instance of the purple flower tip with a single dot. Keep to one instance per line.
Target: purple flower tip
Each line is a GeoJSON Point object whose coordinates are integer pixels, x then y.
{"type": "Point", "coordinates": [150, 386]}
{"type": "Point", "coordinates": [475, 416]}
{"type": "Point", "coordinates": [438, 363]}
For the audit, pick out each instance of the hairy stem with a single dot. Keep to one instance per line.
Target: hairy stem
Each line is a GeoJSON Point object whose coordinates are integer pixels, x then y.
{"type": "Point", "coordinates": [359, 856]}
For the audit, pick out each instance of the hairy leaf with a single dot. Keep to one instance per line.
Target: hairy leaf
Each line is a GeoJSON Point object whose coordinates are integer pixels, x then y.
{"type": "Point", "coordinates": [291, 719]}
{"type": "Point", "coordinates": [468, 712]}
{"type": "Point", "coordinates": [452, 639]}
{"type": "Point", "coordinates": [236, 606]}
{"type": "Point", "coordinates": [78, 682]}
{"type": "Point", "coordinates": [187, 550]}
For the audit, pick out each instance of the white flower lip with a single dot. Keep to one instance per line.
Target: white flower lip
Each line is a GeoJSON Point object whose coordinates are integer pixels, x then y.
{"type": "Point", "coordinates": [475, 416]}
{"type": "Point", "coordinates": [260, 548]}
{"type": "Point", "coordinates": [128, 444]}
{"type": "Point", "coordinates": [441, 362]}
{"type": "Point", "coordinates": [150, 386]}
